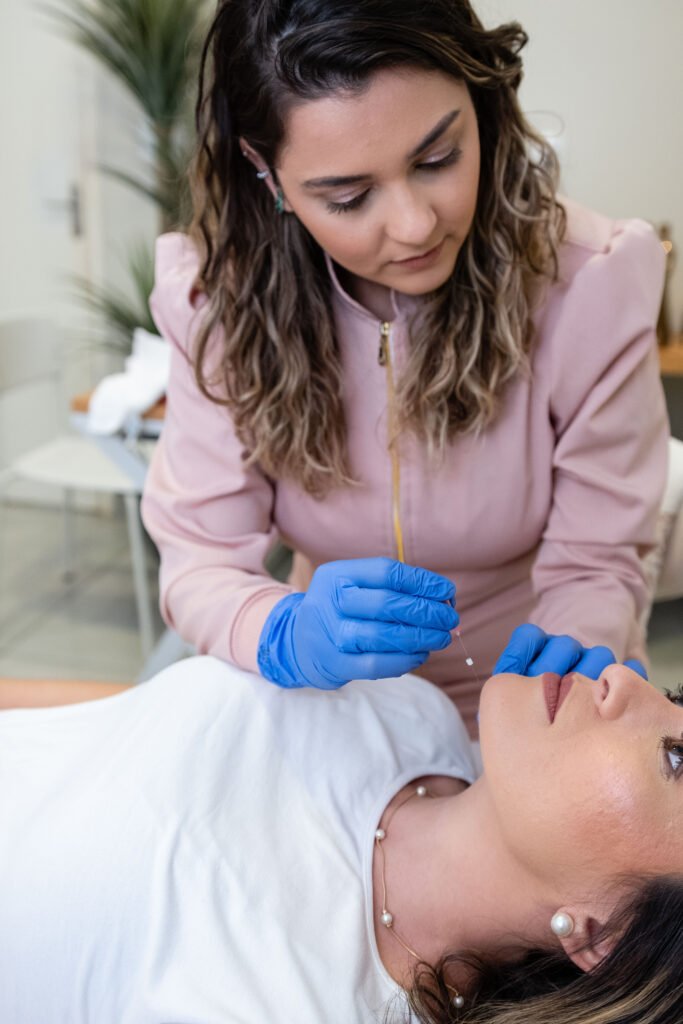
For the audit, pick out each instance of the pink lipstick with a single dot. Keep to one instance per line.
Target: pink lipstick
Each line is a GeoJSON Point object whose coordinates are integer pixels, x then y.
{"type": "Point", "coordinates": [555, 689]}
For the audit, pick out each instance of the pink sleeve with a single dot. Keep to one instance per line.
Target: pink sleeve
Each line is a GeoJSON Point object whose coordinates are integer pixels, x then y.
{"type": "Point", "coordinates": [611, 452]}
{"type": "Point", "coordinates": [210, 517]}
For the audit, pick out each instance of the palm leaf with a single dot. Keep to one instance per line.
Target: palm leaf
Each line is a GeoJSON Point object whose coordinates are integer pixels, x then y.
{"type": "Point", "coordinates": [152, 46]}
{"type": "Point", "coordinates": [121, 313]}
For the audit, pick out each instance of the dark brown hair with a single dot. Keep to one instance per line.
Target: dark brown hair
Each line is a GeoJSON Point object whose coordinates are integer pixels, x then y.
{"type": "Point", "coordinates": [640, 982]}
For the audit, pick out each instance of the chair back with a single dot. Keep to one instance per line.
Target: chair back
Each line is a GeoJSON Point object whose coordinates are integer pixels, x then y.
{"type": "Point", "coordinates": [30, 352]}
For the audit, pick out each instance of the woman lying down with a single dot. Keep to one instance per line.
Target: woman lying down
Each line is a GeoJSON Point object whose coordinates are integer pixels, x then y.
{"type": "Point", "coordinates": [207, 849]}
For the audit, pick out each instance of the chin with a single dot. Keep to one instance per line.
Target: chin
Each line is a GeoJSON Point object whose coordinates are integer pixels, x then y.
{"type": "Point", "coordinates": [503, 701]}
{"type": "Point", "coordinates": [426, 283]}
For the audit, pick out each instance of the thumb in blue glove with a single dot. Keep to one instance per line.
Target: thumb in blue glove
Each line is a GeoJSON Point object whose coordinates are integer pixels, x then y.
{"type": "Point", "coordinates": [366, 618]}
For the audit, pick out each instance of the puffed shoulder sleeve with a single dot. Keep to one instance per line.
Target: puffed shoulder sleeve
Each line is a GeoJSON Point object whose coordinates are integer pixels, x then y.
{"type": "Point", "coordinates": [609, 417]}
{"type": "Point", "coordinates": [210, 516]}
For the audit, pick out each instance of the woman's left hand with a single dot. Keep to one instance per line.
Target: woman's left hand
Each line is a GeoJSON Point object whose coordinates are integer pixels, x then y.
{"type": "Point", "coordinates": [530, 651]}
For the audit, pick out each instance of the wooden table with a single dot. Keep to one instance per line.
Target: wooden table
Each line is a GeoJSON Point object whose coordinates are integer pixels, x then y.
{"type": "Point", "coordinates": [671, 357]}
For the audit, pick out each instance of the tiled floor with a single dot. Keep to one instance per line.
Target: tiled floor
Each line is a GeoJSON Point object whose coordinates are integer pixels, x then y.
{"type": "Point", "coordinates": [87, 628]}
{"type": "Point", "coordinates": [83, 628]}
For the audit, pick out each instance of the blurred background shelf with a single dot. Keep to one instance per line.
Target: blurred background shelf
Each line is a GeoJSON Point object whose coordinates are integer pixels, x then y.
{"type": "Point", "coordinates": [671, 366]}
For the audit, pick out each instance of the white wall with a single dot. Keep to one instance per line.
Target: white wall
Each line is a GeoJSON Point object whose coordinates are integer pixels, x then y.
{"type": "Point", "coordinates": [613, 70]}
{"type": "Point", "coordinates": [60, 117]}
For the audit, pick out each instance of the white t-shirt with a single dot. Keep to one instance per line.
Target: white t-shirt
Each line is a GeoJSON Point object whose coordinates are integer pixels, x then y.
{"type": "Point", "coordinates": [198, 850]}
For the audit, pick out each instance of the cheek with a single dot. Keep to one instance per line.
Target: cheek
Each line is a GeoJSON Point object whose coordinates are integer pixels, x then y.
{"type": "Point", "coordinates": [337, 234]}
{"type": "Point", "coordinates": [599, 815]}
{"type": "Point", "coordinates": [459, 196]}
{"type": "Point", "coordinates": [564, 810]}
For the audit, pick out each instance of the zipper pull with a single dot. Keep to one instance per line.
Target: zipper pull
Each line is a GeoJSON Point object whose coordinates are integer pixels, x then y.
{"type": "Point", "coordinates": [383, 343]}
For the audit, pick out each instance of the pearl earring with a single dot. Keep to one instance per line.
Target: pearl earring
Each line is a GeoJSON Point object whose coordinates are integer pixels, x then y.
{"type": "Point", "coordinates": [562, 924]}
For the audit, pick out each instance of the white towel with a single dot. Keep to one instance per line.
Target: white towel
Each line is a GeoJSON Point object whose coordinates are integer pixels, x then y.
{"type": "Point", "coordinates": [131, 393]}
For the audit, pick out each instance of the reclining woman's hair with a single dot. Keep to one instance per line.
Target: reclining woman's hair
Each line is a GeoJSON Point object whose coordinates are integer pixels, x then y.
{"type": "Point", "coordinates": [264, 275]}
{"type": "Point", "coordinates": [640, 982]}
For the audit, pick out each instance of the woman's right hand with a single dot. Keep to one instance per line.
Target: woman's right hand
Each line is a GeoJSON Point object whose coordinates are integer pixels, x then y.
{"type": "Point", "coordinates": [365, 618]}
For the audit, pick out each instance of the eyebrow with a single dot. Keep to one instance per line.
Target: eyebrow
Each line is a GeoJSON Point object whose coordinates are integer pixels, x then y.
{"type": "Point", "coordinates": [437, 131]}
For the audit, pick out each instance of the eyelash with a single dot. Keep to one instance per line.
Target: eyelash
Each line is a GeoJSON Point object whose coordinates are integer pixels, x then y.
{"type": "Point", "coordinates": [671, 745]}
{"type": "Point", "coordinates": [436, 165]}
{"type": "Point", "coordinates": [675, 696]}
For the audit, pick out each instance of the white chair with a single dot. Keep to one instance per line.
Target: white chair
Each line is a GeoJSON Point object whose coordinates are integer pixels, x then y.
{"type": "Point", "coordinates": [31, 355]}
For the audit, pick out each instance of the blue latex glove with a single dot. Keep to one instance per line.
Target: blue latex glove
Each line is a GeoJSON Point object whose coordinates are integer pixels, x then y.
{"type": "Point", "coordinates": [364, 618]}
{"type": "Point", "coordinates": [530, 652]}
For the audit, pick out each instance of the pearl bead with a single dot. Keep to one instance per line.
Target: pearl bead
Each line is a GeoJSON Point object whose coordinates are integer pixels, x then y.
{"type": "Point", "coordinates": [380, 834]}
{"type": "Point", "coordinates": [562, 925]}
{"type": "Point", "coordinates": [458, 1002]}
{"type": "Point", "coordinates": [387, 919]}
{"type": "Point", "coordinates": [421, 791]}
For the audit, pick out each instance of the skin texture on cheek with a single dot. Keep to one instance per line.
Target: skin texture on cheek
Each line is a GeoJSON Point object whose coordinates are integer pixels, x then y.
{"type": "Point", "coordinates": [587, 798]}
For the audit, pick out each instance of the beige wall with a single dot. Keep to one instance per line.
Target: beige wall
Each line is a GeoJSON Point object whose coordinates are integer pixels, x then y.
{"type": "Point", "coordinates": [613, 70]}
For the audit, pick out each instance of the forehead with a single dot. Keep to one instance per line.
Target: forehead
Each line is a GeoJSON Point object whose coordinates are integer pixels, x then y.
{"type": "Point", "coordinates": [388, 118]}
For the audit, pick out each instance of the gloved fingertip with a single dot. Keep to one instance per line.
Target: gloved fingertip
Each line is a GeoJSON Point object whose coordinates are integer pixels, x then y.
{"type": "Point", "coordinates": [637, 666]}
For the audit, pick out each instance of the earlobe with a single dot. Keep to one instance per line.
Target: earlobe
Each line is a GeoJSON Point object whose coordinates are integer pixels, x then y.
{"type": "Point", "coordinates": [584, 943]}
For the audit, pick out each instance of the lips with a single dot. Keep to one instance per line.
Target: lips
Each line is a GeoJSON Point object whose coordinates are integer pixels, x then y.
{"type": "Point", "coordinates": [430, 252]}
{"type": "Point", "coordinates": [555, 689]}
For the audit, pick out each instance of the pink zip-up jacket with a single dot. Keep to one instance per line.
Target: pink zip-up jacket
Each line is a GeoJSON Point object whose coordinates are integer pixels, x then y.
{"type": "Point", "coordinates": [543, 518]}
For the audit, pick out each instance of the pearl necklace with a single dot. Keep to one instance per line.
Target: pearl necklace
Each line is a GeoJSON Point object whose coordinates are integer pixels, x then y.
{"type": "Point", "coordinates": [386, 917]}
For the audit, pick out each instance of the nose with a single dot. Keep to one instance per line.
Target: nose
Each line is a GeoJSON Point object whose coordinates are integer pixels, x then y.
{"type": "Point", "coordinates": [411, 220]}
{"type": "Point", "coordinates": [617, 689]}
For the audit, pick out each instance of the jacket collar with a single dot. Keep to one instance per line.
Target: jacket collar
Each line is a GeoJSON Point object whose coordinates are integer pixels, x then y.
{"type": "Point", "coordinates": [402, 305]}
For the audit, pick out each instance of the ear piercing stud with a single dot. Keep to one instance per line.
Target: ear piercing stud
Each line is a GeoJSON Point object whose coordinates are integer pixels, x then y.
{"type": "Point", "coordinates": [562, 924]}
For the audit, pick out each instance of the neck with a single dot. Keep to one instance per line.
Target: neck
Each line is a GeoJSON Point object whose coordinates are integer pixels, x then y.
{"type": "Point", "coordinates": [452, 885]}
{"type": "Point", "coordinates": [376, 298]}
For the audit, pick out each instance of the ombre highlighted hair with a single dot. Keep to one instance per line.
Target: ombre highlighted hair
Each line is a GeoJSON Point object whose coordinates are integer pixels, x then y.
{"type": "Point", "coordinates": [265, 277]}
{"type": "Point", "coordinates": [639, 982]}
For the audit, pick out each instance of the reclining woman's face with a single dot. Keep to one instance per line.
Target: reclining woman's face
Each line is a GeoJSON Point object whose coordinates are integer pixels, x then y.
{"type": "Point", "coordinates": [585, 776]}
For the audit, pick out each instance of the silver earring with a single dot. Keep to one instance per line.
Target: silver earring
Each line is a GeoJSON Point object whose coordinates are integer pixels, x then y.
{"type": "Point", "coordinates": [261, 175]}
{"type": "Point", "coordinates": [562, 924]}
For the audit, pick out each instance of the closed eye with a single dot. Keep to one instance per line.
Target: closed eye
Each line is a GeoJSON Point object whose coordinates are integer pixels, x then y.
{"type": "Point", "coordinates": [430, 166]}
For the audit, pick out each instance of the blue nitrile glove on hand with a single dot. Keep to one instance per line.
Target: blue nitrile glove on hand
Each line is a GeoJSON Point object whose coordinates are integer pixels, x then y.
{"type": "Point", "coordinates": [364, 618]}
{"type": "Point", "coordinates": [530, 652]}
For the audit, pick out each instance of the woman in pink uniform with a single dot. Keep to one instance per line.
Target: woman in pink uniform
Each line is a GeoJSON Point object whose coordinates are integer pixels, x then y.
{"type": "Point", "coordinates": [395, 346]}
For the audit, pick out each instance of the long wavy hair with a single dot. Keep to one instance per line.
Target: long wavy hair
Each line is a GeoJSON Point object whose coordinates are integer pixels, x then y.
{"type": "Point", "coordinates": [265, 277]}
{"type": "Point", "coordinates": [638, 983]}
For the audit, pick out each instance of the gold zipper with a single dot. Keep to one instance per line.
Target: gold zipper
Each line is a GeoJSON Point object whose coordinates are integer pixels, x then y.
{"type": "Point", "coordinates": [384, 359]}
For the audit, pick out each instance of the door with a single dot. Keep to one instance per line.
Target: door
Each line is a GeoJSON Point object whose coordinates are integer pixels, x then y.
{"type": "Point", "coordinates": [48, 191]}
